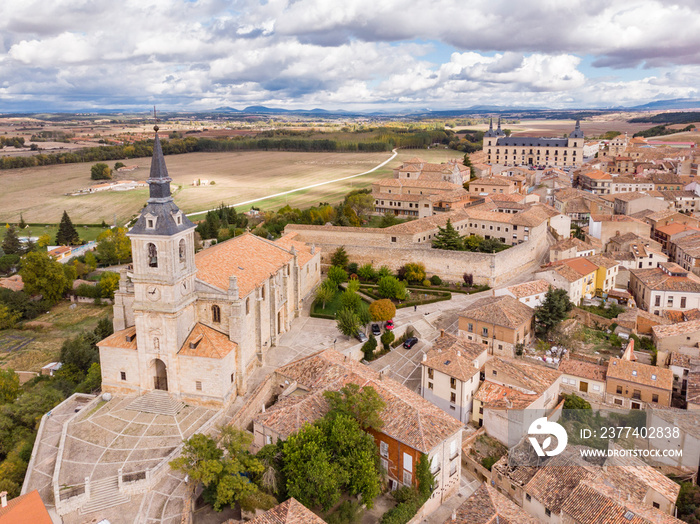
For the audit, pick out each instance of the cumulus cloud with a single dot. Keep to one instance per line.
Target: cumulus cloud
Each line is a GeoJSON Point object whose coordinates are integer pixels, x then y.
{"type": "Point", "coordinates": [351, 54]}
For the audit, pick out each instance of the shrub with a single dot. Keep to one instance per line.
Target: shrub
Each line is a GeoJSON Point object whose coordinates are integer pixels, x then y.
{"type": "Point", "coordinates": [468, 279]}
{"type": "Point", "coordinates": [387, 338]}
{"type": "Point", "coordinates": [369, 347]}
{"type": "Point", "coordinates": [352, 268]}
{"type": "Point", "coordinates": [435, 280]}
{"type": "Point", "coordinates": [337, 274]}
{"type": "Point", "coordinates": [413, 272]}
{"type": "Point", "coordinates": [383, 271]}
{"type": "Point", "coordinates": [340, 257]}
{"type": "Point", "coordinates": [366, 272]}
{"type": "Point", "coordinates": [390, 287]}
{"type": "Point", "coordinates": [426, 283]}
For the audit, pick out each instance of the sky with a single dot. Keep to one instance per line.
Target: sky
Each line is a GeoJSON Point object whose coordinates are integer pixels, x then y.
{"type": "Point", "coordinates": [355, 55]}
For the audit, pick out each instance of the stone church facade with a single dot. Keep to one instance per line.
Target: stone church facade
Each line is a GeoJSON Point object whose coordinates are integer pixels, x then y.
{"type": "Point", "coordinates": [197, 325]}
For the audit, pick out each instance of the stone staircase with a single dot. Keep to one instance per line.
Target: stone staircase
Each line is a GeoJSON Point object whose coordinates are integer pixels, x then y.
{"type": "Point", "coordinates": [157, 402]}
{"type": "Point", "coordinates": [104, 493]}
{"type": "Point", "coordinates": [424, 329]}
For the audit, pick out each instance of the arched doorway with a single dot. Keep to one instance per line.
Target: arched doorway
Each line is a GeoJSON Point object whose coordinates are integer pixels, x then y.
{"type": "Point", "coordinates": [160, 378]}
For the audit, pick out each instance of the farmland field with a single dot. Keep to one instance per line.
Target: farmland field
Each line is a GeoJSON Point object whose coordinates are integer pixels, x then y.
{"type": "Point", "coordinates": [39, 193]}
{"type": "Point", "coordinates": [40, 341]}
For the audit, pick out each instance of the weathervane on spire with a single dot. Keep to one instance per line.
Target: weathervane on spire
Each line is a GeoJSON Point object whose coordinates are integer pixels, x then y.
{"type": "Point", "coordinates": [155, 118]}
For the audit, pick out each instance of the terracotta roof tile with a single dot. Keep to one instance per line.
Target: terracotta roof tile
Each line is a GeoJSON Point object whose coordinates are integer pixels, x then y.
{"type": "Point", "coordinates": [125, 338]}
{"type": "Point", "coordinates": [578, 368]}
{"type": "Point", "coordinates": [682, 328]}
{"type": "Point", "coordinates": [532, 377]}
{"type": "Point", "coordinates": [248, 257]}
{"type": "Point", "coordinates": [27, 508]}
{"type": "Point", "coordinates": [639, 373]}
{"type": "Point", "coordinates": [555, 482]}
{"type": "Point", "coordinates": [497, 396]}
{"type": "Point", "coordinates": [658, 279]}
{"type": "Point", "coordinates": [204, 341]}
{"type": "Point", "coordinates": [527, 289]}
{"type": "Point", "coordinates": [486, 506]}
{"type": "Point", "coordinates": [408, 417]}
{"type": "Point", "coordinates": [503, 311]}
{"type": "Point", "coordinates": [289, 512]}
{"type": "Point", "coordinates": [302, 248]}
{"type": "Point", "coordinates": [454, 357]}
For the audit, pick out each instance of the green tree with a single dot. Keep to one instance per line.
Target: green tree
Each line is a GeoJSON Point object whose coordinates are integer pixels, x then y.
{"type": "Point", "coordinates": [347, 321]}
{"type": "Point", "coordinates": [9, 386]}
{"type": "Point", "coordinates": [337, 274]}
{"type": "Point", "coordinates": [22, 224]}
{"type": "Point", "coordinates": [80, 352]}
{"type": "Point", "coordinates": [66, 235]}
{"type": "Point", "coordinates": [426, 480]}
{"type": "Point", "coordinates": [473, 242]}
{"type": "Point", "coordinates": [100, 171]}
{"type": "Point", "coordinates": [11, 244]}
{"type": "Point", "coordinates": [361, 203]}
{"type": "Point", "coordinates": [390, 287]}
{"type": "Point", "coordinates": [388, 219]}
{"type": "Point", "coordinates": [369, 347]}
{"type": "Point", "coordinates": [362, 404]}
{"type": "Point", "coordinates": [92, 381]}
{"type": "Point", "coordinates": [90, 261]}
{"type": "Point", "coordinates": [552, 311]}
{"type": "Point", "coordinates": [340, 258]}
{"type": "Point", "coordinates": [324, 294]}
{"type": "Point", "coordinates": [113, 246]}
{"type": "Point", "coordinates": [467, 161]}
{"type": "Point", "coordinates": [414, 271]}
{"type": "Point", "coordinates": [366, 272]}
{"type": "Point", "coordinates": [387, 338]}
{"type": "Point", "coordinates": [350, 300]}
{"type": "Point", "coordinates": [43, 241]}
{"type": "Point", "coordinates": [448, 238]}
{"type": "Point", "coordinates": [313, 478]}
{"type": "Point", "coordinates": [382, 310]}
{"type": "Point", "coordinates": [42, 275]}
{"type": "Point", "coordinates": [383, 271]}
{"type": "Point", "coordinates": [119, 165]}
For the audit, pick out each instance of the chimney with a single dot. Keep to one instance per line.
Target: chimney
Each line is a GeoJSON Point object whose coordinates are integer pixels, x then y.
{"type": "Point", "coordinates": [454, 514]}
{"type": "Point", "coordinates": [3, 495]}
{"type": "Point", "coordinates": [442, 333]}
{"type": "Point", "coordinates": [459, 353]}
{"type": "Point", "coordinates": [425, 357]}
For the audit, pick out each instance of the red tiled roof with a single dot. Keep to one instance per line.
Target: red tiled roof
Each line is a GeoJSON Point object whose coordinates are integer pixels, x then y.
{"type": "Point", "coordinates": [204, 341]}
{"type": "Point", "coordinates": [289, 512]}
{"type": "Point", "coordinates": [486, 506]}
{"type": "Point", "coordinates": [25, 509]}
{"type": "Point", "coordinates": [125, 338]}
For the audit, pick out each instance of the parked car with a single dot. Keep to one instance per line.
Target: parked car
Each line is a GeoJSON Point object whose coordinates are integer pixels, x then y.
{"type": "Point", "coordinates": [361, 336]}
{"type": "Point", "coordinates": [389, 325]}
{"type": "Point", "coordinates": [410, 342]}
{"type": "Point", "coordinates": [376, 330]}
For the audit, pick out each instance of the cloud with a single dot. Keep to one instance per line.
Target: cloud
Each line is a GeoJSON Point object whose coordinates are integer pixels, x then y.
{"type": "Point", "coordinates": [351, 54]}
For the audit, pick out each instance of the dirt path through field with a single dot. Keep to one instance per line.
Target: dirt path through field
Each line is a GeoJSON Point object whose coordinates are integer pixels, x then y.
{"type": "Point", "coordinates": [268, 197]}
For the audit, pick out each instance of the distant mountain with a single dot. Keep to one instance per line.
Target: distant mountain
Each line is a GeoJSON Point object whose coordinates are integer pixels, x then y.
{"type": "Point", "coordinates": [675, 103]}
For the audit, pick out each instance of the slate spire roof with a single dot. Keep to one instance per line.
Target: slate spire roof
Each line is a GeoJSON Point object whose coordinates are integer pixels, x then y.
{"type": "Point", "coordinates": [160, 216]}
{"type": "Point", "coordinates": [490, 132]}
{"type": "Point", "coordinates": [577, 133]}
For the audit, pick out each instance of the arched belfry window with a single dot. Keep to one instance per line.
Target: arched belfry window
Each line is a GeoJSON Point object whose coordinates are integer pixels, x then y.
{"type": "Point", "coordinates": [152, 255]}
{"type": "Point", "coordinates": [181, 249]}
{"type": "Point", "coordinates": [216, 314]}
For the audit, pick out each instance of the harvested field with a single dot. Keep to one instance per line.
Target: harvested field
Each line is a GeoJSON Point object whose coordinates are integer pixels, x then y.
{"type": "Point", "coordinates": [40, 192]}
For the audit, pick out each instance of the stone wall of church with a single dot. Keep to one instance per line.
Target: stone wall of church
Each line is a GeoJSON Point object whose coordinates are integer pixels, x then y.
{"type": "Point", "coordinates": [310, 275]}
{"type": "Point", "coordinates": [213, 374]}
{"type": "Point", "coordinates": [114, 361]}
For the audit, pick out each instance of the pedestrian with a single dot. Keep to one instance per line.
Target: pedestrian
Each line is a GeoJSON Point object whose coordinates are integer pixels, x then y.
{"type": "Point", "coordinates": [415, 307]}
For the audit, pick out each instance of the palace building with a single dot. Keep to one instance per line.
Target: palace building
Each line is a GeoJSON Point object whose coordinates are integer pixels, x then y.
{"type": "Point", "coordinates": [533, 151]}
{"type": "Point", "coordinates": [197, 325]}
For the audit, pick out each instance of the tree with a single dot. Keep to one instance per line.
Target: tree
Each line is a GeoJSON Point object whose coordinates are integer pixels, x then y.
{"type": "Point", "coordinates": [383, 271]}
{"type": "Point", "coordinates": [8, 317]}
{"type": "Point", "coordinates": [467, 161]}
{"type": "Point", "coordinates": [100, 171]}
{"type": "Point", "coordinates": [22, 224]}
{"type": "Point", "coordinates": [66, 235]}
{"type": "Point", "coordinates": [9, 386]}
{"type": "Point", "coordinates": [109, 283]}
{"type": "Point", "coordinates": [42, 275]}
{"type": "Point", "coordinates": [11, 244]}
{"type": "Point", "coordinates": [366, 272]}
{"type": "Point", "coordinates": [347, 321]}
{"type": "Point", "coordinates": [90, 261]}
{"type": "Point", "coordinates": [43, 241]}
{"type": "Point", "coordinates": [387, 338]}
{"type": "Point", "coordinates": [362, 404]}
{"type": "Point", "coordinates": [390, 287]}
{"type": "Point", "coordinates": [448, 238]}
{"type": "Point", "coordinates": [353, 285]}
{"type": "Point", "coordinates": [337, 274]}
{"type": "Point", "coordinates": [340, 258]}
{"type": "Point", "coordinates": [113, 246]}
{"type": "Point", "coordinates": [119, 165]}
{"type": "Point", "coordinates": [552, 311]}
{"type": "Point", "coordinates": [426, 480]}
{"type": "Point", "coordinates": [388, 219]}
{"type": "Point", "coordinates": [225, 472]}
{"type": "Point", "coordinates": [80, 352]}
{"type": "Point", "coordinates": [350, 300]}
{"type": "Point", "coordinates": [324, 294]}
{"type": "Point", "coordinates": [369, 347]}
{"type": "Point", "coordinates": [414, 272]}
{"type": "Point", "coordinates": [382, 310]}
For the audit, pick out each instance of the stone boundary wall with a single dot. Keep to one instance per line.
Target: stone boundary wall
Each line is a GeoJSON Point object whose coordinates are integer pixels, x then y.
{"type": "Point", "coordinates": [260, 397]}
{"type": "Point", "coordinates": [487, 268]}
{"type": "Point", "coordinates": [590, 319]}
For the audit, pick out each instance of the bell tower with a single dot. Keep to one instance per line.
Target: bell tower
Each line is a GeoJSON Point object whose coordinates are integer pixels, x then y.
{"type": "Point", "coordinates": [162, 246]}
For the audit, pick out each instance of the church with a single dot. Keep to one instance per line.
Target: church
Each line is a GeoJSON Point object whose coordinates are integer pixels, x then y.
{"type": "Point", "coordinates": [533, 151]}
{"type": "Point", "coordinates": [198, 324]}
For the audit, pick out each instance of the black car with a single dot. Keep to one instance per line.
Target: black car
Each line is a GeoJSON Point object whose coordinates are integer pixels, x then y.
{"type": "Point", "coordinates": [376, 330]}
{"type": "Point", "coordinates": [361, 336]}
{"type": "Point", "coordinates": [410, 342]}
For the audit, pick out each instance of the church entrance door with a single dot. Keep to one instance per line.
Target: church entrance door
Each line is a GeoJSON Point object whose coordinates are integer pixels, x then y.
{"type": "Point", "coordinates": [160, 380]}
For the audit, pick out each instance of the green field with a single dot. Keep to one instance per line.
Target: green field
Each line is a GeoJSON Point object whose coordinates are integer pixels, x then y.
{"type": "Point", "coordinates": [40, 193]}
{"type": "Point", "coordinates": [87, 233]}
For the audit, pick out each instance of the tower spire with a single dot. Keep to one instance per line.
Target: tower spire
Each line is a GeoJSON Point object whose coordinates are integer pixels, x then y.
{"type": "Point", "coordinates": [491, 124]}
{"type": "Point", "coordinates": [159, 180]}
